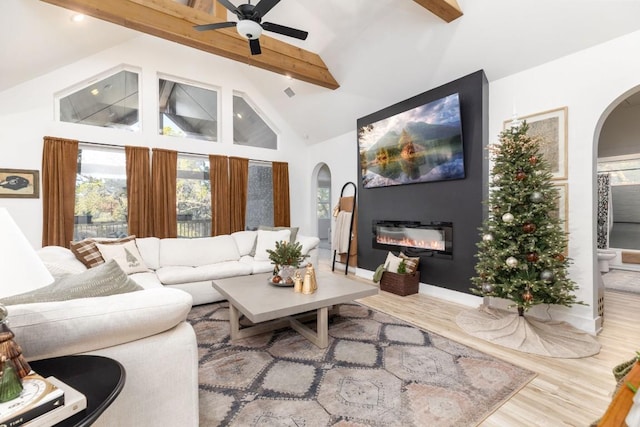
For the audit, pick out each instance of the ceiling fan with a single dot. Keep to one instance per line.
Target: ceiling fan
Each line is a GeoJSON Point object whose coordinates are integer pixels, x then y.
{"type": "Point", "coordinates": [250, 23]}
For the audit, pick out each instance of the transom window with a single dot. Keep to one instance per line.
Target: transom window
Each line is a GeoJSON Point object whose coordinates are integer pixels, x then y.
{"type": "Point", "coordinates": [110, 102]}
{"type": "Point", "coordinates": [249, 128]}
{"type": "Point", "coordinates": [188, 111]}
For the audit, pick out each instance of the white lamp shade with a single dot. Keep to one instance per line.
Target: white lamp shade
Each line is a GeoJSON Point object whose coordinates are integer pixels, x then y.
{"type": "Point", "coordinates": [21, 270]}
{"type": "Point", "coordinates": [249, 29]}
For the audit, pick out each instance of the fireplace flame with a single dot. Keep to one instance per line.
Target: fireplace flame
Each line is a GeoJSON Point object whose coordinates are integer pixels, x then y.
{"type": "Point", "coordinates": [437, 245]}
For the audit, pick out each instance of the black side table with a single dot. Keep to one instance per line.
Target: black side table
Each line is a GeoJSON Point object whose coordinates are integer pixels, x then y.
{"type": "Point", "coordinates": [99, 378]}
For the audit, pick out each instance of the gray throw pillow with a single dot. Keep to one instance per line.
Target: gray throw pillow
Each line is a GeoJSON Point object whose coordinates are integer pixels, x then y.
{"type": "Point", "coordinates": [103, 280]}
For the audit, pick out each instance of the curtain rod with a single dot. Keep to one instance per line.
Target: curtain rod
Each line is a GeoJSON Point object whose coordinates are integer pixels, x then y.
{"type": "Point", "coordinates": [102, 144]}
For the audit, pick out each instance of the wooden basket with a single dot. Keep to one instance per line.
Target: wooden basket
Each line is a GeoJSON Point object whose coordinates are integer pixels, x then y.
{"type": "Point", "coordinates": [400, 284]}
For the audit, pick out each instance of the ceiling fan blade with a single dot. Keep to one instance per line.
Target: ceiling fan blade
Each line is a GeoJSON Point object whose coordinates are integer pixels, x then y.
{"type": "Point", "coordinates": [254, 45]}
{"type": "Point", "coordinates": [265, 6]}
{"type": "Point", "coordinates": [231, 8]}
{"type": "Point", "coordinates": [286, 31]}
{"type": "Point", "coordinates": [215, 26]}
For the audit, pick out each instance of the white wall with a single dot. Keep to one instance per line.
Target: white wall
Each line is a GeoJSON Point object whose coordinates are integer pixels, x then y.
{"type": "Point", "coordinates": [27, 115]}
{"type": "Point", "coordinates": [590, 83]}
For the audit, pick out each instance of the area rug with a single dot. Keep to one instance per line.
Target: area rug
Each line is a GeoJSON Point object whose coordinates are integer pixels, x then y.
{"type": "Point", "coordinates": [376, 371]}
{"type": "Point", "coordinates": [622, 280]}
{"type": "Point", "coordinates": [528, 334]}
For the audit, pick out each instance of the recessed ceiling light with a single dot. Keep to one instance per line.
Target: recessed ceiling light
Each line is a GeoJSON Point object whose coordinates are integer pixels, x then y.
{"type": "Point", "coordinates": [95, 91]}
{"type": "Point", "coordinates": [238, 115]}
{"type": "Point", "coordinates": [77, 17]}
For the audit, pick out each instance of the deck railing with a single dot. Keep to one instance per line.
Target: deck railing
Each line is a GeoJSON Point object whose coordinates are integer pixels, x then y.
{"type": "Point", "coordinates": [117, 229]}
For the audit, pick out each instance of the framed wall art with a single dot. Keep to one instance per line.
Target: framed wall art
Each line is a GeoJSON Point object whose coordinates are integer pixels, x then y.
{"type": "Point", "coordinates": [19, 183]}
{"type": "Point", "coordinates": [551, 126]}
{"type": "Point", "coordinates": [562, 205]}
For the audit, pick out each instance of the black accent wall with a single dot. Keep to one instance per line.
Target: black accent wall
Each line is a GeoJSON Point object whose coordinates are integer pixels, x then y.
{"type": "Point", "coordinates": [458, 201]}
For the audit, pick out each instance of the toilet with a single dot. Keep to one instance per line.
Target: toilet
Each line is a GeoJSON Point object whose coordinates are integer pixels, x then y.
{"type": "Point", "coordinates": [604, 256]}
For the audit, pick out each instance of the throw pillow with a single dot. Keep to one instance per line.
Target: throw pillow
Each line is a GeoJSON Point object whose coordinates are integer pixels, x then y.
{"type": "Point", "coordinates": [411, 262]}
{"type": "Point", "coordinates": [106, 279]}
{"type": "Point", "coordinates": [87, 252]}
{"type": "Point", "coordinates": [292, 236]}
{"type": "Point", "coordinates": [392, 262]}
{"type": "Point", "coordinates": [125, 254]}
{"type": "Point", "coordinates": [267, 240]}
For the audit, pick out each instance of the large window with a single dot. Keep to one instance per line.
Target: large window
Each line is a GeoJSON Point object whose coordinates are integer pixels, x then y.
{"type": "Point", "coordinates": [101, 193]}
{"type": "Point", "coordinates": [193, 197]}
{"type": "Point", "coordinates": [259, 195]}
{"type": "Point", "coordinates": [110, 102]}
{"type": "Point", "coordinates": [188, 111]}
{"type": "Point", "coordinates": [249, 128]}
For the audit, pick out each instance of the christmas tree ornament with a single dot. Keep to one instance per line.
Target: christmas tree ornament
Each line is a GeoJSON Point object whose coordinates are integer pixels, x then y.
{"type": "Point", "coordinates": [532, 257]}
{"type": "Point", "coordinates": [527, 296]}
{"type": "Point", "coordinates": [546, 275]}
{"type": "Point", "coordinates": [508, 217]}
{"type": "Point", "coordinates": [536, 197]}
{"type": "Point", "coordinates": [487, 288]}
{"type": "Point", "coordinates": [529, 227]}
{"type": "Point", "coordinates": [511, 262]}
{"type": "Point", "coordinates": [533, 160]}
{"type": "Point", "coordinates": [487, 237]}
{"type": "Point", "coordinates": [558, 257]}
{"type": "Point", "coordinates": [520, 175]}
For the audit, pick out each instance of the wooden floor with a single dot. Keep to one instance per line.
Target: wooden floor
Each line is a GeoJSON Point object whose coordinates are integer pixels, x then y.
{"type": "Point", "coordinates": [565, 392]}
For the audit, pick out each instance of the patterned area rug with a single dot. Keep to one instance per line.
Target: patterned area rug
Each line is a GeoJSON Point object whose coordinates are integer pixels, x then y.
{"type": "Point", "coordinates": [376, 371]}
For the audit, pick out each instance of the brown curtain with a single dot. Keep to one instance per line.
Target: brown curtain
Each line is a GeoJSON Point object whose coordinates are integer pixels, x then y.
{"type": "Point", "coordinates": [220, 203]}
{"type": "Point", "coordinates": [164, 173]}
{"type": "Point", "coordinates": [138, 191]}
{"type": "Point", "coordinates": [238, 180]}
{"type": "Point", "coordinates": [281, 207]}
{"type": "Point", "coordinates": [59, 168]}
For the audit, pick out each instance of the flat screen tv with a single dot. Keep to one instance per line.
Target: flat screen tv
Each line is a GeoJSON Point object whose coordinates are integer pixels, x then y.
{"type": "Point", "coordinates": [421, 144]}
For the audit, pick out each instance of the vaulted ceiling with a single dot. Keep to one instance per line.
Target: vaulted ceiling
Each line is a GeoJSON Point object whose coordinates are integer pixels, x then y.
{"type": "Point", "coordinates": [360, 56]}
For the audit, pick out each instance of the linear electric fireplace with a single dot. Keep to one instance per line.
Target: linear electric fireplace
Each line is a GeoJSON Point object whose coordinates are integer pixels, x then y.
{"type": "Point", "coordinates": [412, 237]}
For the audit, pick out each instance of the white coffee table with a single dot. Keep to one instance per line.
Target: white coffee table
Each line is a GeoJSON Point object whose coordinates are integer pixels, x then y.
{"type": "Point", "coordinates": [273, 307]}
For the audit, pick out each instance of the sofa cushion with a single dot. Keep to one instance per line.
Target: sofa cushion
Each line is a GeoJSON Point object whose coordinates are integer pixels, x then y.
{"type": "Point", "coordinates": [104, 280]}
{"type": "Point", "coordinates": [60, 261]}
{"type": "Point", "coordinates": [87, 252]}
{"type": "Point", "coordinates": [246, 241]}
{"type": "Point", "coordinates": [257, 267]}
{"type": "Point", "coordinates": [292, 236]}
{"type": "Point", "coordinates": [69, 327]}
{"type": "Point", "coordinates": [267, 240]}
{"type": "Point", "coordinates": [125, 254]}
{"type": "Point", "coordinates": [173, 275]}
{"type": "Point", "coordinates": [149, 248]}
{"type": "Point", "coordinates": [198, 251]}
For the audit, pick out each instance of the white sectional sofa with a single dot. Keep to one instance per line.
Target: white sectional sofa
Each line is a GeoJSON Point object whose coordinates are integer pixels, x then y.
{"type": "Point", "coordinates": [146, 330]}
{"type": "Point", "coordinates": [192, 264]}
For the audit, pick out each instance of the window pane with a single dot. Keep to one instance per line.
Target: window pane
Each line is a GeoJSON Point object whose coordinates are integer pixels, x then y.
{"type": "Point", "coordinates": [193, 197]}
{"type": "Point", "coordinates": [188, 111]}
{"type": "Point", "coordinates": [622, 171]}
{"type": "Point", "coordinates": [259, 196]}
{"type": "Point", "coordinates": [249, 128]}
{"type": "Point", "coordinates": [101, 194]}
{"type": "Point", "coordinates": [111, 102]}
{"type": "Point", "coordinates": [323, 202]}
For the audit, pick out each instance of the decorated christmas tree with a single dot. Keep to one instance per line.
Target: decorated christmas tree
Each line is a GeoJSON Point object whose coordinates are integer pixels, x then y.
{"type": "Point", "coordinates": [521, 256]}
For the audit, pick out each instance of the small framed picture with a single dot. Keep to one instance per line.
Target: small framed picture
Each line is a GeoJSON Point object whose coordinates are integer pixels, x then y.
{"type": "Point", "coordinates": [562, 205]}
{"type": "Point", "coordinates": [19, 183]}
{"type": "Point", "coordinates": [551, 127]}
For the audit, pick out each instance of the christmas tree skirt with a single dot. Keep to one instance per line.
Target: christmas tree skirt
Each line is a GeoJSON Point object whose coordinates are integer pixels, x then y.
{"type": "Point", "coordinates": [527, 334]}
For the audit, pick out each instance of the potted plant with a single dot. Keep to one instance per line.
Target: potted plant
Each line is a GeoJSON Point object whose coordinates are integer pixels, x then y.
{"type": "Point", "coordinates": [286, 257]}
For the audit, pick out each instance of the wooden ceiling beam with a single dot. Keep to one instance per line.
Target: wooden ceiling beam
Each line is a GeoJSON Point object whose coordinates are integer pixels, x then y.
{"type": "Point", "coordinates": [174, 21]}
{"type": "Point", "coordinates": [447, 10]}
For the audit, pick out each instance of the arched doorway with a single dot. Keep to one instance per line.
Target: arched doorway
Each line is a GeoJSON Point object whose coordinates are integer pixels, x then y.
{"type": "Point", "coordinates": [323, 205]}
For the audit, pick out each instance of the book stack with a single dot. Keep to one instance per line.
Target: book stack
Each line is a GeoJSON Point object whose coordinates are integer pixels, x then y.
{"type": "Point", "coordinates": [43, 402]}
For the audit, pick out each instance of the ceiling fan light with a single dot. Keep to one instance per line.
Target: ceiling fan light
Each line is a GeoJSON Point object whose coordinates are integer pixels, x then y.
{"type": "Point", "coordinates": [249, 29]}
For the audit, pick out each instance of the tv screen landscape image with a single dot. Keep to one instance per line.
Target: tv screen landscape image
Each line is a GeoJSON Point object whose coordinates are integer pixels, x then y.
{"type": "Point", "coordinates": [422, 144]}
